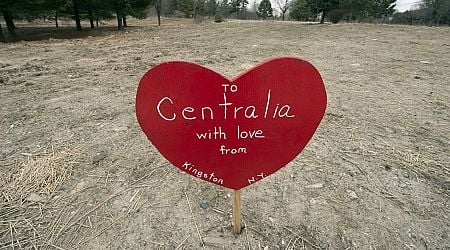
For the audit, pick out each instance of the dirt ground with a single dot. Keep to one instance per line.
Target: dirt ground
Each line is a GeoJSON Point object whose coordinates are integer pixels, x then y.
{"type": "Point", "coordinates": [77, 172]}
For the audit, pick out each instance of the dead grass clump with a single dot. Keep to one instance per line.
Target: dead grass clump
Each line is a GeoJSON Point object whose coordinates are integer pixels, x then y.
{"type": "Point", "coordinates": [41, 176]}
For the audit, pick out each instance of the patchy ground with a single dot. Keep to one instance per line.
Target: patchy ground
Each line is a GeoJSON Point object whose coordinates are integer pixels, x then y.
{"type": "Point", "coordinates": [77, 172]}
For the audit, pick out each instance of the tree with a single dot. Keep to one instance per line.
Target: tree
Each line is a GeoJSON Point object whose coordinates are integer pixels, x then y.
{"type": "Point", "coordinates": [322, 6]}
{"type": "Point", "coordinates": [436, 11]}
{"type": "Point", "coordinates": [238, 5]}
{"type": "Point", "coordinates": [168, 7]}
{"type": "Point", "coordinates": [54, 8]}
{"type": "Point", "coordinates": [211, 7]}
{"type": "Point", "coordinates": [380, 8]}
{"type": "Point", "coordinates": [299, 10]}
{"type": "Point", "coordinates": [9, 8]}
{"type": "Point", "coordinates": [94, 8]}
{"type": "Point", "coordinates": [284, 6]}
{"type": "Point", "coordinates": [265, 9]}
{"type": "Point", "coordinates": [186, 6]}
{"type": "Point", "coordinates": [2, 38]}
{"type": "Point", "coordinates": [355, 8]}
{"type": "Point", "coordinates": [158, 6]}
{"type": "Point", "coordinates": [8, 16]}
{"type": "Point", "coordinates": [199, 8]}
{"type": "Point", "coordinates": [122, 8]}
{"type": "Point", "coordinates": [430, 12]}
{"type": "Point", "coordinates": [76, 13]}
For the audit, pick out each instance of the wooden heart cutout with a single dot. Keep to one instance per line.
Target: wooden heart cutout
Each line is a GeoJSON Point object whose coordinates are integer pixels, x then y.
{"type": "Point", "coordinates": [232, 133]}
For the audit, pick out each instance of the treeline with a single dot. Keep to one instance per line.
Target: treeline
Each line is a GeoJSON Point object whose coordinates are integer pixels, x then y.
{"type": "Point", "coordinates": [92, 10]}
{"type": "Point", "coordinates": [429, 12]}
{"type": "Point", "coordinates": [426, 12]}
{"type": "Point", "coordinates": [336, 10]}
{"type": "Point", "coordinates": [301, 10]}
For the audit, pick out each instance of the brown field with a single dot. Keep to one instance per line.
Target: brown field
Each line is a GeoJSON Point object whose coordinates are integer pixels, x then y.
{"type": "Point", "coordinates": [76, 172]}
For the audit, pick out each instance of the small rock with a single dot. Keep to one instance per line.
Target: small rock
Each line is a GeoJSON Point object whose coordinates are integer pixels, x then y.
{"type": "Point", "coordinates": [119, 129]}
{"type": "Point", "coordinates": [272, 220]}
{"type": "Point", "coordinates": [33, 197]}
{"type": "Point", "coordinates": [283, 244]}
{"type": "Point", "coordinates": [204, 204]}
{"type": "Point", "coordinates": [317, 185]}
{"type": "Point", "coordinates": [29, 83]}
{"type": "Point", "coordinates": [352, 194]}
{"type": "Point", "coordinates": [402, 185]}
{"type": "Point", "coordinates": [313, 201]}
{"type": "Point", "coordinates": [425, 62]}
{"type": "Point", "coordinates": [214, 241]}
{"type": "Point", "coordinates": [98, 157]}
{"type": "Point", "coordinates": [417, 77]}
{"type": "Point", "coordinates": [387, 168]}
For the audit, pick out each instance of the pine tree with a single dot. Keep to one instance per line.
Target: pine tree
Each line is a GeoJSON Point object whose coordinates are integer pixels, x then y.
{"type": "Point", "coordinates": [322, 6]}
{"type": "Point", "coordinates": [265, 9]}
{"type": "Point", "coordinates": [299, 10]}
{"type": "Point", "coordinates": [380, 8]}
{"type": "Point", "coordinates": [211, 7]}
{"type": "Point", "coordinates": [11, 9]}
{"type": "Point", "coordinates": [186, 6]}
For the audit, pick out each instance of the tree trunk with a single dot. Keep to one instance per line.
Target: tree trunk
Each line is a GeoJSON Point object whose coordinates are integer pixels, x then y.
{"type": "Point", "coordinates": [56, 19]}
{"type": "Point", "coordinates": [91, 18]}
{"type": "Point", "coordinates": [2, 38]}
{"type": "Point", "coordinates": [158, 11]}
{"type": "Point", "coordinates": [282, 16]}
{"type": "Point", "coordinates": [195, 9]}
{"type": "Point", "coordinates": [97, 22]}
{"type": "Point", "coordinates": [438, 19]}
{"type": "Point", "coordinates": [9, 22]}
{"type": "Point", "coordinates": [76, 14]}
{"type": "Point", "coordinates": [119, 20]}
{"type": "Point", "coordinates": [124, 21]}
{"type": "Point", "coordinates": [159, 18]}
{"type": "Point", "coordinates": [322, 18]}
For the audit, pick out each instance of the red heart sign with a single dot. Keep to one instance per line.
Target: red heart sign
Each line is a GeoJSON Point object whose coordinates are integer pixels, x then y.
{"type": "Point", "coordinates": [231, 132]}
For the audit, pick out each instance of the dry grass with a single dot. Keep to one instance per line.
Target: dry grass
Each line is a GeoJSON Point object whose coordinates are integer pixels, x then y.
{"type": "Point", "coordinates": [22, 206]}
{"type": "Point", "coordinates": [41, 175]}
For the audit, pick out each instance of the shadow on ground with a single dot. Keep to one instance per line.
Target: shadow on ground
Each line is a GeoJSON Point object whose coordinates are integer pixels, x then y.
{"type": "Point", "coordinates": [29, 33]}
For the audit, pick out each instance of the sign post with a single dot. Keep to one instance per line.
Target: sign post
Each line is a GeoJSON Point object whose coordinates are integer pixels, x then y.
{"type": "Point", "coordinates": [232, 133]}
{"type": "Point", "coordinates": [236, 216]}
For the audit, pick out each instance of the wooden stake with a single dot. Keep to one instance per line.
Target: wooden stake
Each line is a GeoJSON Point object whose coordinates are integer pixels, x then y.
{"type": "Point", "coordinates": [236, 211]}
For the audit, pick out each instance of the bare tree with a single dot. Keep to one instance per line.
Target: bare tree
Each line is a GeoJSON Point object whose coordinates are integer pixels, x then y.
{"type": "Point", "coordinates": [284, 6]}
{"type": "Point", "coordinates": [254, 7]}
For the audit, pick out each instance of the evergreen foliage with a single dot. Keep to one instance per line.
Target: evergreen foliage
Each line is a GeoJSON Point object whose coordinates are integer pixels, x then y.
{"type": "Point", "coordinates": [300, 10]}
{"type": "Point", "coordinates": [265, 9]}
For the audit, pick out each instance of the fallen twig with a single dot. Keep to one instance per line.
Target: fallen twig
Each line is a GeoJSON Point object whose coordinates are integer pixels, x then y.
{"type": "Point", "coordinates": [193, 218]}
